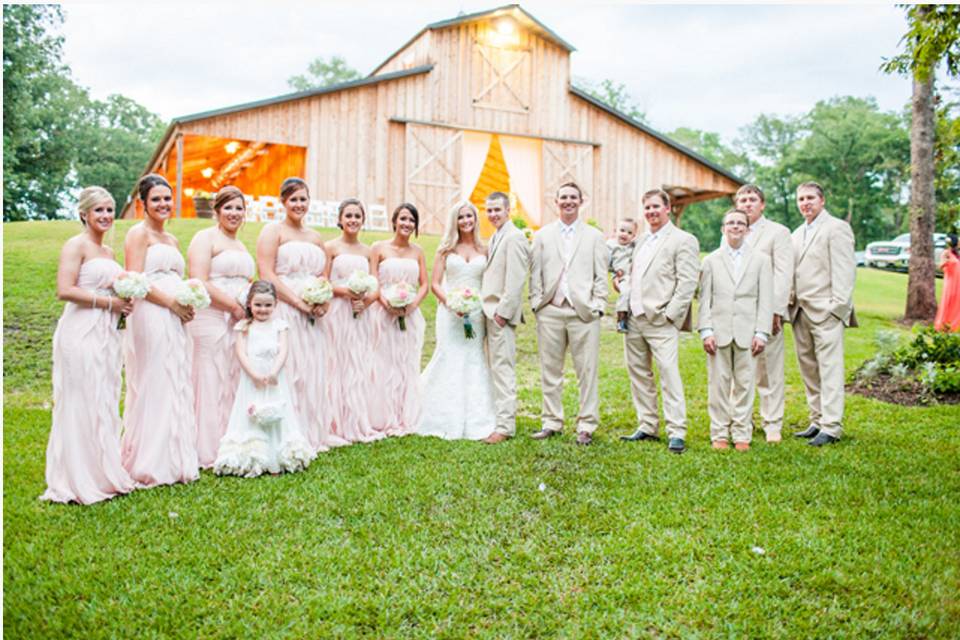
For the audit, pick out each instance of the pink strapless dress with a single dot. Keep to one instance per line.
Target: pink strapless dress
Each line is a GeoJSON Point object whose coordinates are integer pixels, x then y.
{"type": "Point", "coordinates": [83, 453]}
{"type": "Point", "coordinates": [306, 344]}
{"type": "Point", "coordinates": [160, 432]}
{"type": "Point", "coordinates": [395, 403]}
{"type": "Point", "coordinates": [350, 385]}
{"type": "Point", "coordinates": [216, 369]}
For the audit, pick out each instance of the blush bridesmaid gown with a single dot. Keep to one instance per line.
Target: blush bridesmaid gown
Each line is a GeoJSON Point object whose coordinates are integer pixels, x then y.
{"type": "Point", "coordinates": [948, 313]}
{"type": "Point", "coordinates": [350, 346]}
{"type": "Point", "coordinates": [297, 261]}
{"type": "Point", "coordinates": [83, 453]}
{"type": "Point", "coordinates": [216, 370]}
{"type": "Point", "coordinates": [395, 401]}
{"type": "Point", "coordinates": [160, 432]}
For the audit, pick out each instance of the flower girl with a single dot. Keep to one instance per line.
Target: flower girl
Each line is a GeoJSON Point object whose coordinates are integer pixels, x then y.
{"type": "Point", "coordinates": [263, 434]}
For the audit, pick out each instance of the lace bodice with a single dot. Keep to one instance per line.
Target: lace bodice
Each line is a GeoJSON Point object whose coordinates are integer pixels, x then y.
{"type": "Point", "coordinates": [263, 342]}
{"type": "Point", "coordinates": [463, 273]}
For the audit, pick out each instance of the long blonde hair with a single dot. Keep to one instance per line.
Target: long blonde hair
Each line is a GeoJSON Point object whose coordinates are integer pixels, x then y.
{"type": "Point", "coordinates": [451, 232]}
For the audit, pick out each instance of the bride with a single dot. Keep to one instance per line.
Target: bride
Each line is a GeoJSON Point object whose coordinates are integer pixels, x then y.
{"type": "Point", "coordinates": [457, 393]}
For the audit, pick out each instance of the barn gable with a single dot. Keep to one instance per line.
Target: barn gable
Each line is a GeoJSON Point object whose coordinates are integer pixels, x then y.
{"type": "Point", "coordinates": [476, 103]}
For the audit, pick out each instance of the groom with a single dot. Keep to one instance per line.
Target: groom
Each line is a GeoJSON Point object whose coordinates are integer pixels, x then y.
{"type": "Point", "coordinates": [501, 291]}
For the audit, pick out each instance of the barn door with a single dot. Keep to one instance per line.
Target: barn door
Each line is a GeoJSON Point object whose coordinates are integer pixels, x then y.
{"type": "Point", "coordinates": [433, 157]}
{"type": "Point", "coordinates": [503, 83]}
{"type": "Point", "coordinates": [566, 162]}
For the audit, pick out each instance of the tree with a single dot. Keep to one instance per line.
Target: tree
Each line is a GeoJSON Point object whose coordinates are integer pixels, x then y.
{"type": "Point", "coordinates": [615, 95]}
{"type": "Point", "coordinates": [933, 36]}
{"type": "Point", "coordinates": [323, 72]}
{"type": "Point", "coordinates": [770, 140]}
{"type": "Point", "coordinates": [40, 113]}
{"type": "Point", "coordinates": [703, 219]}
{"type": "Point", "coordinates": [116, 145]}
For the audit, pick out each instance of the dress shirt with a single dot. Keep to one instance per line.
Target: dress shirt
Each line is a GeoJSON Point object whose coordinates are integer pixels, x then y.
{"type": "Point", "coordinates": [640, 263]}
{"type": "Point", "coordinates": [567, 237]}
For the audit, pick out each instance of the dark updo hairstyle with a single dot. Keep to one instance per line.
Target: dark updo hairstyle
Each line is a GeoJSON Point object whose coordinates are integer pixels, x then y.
{"type": "Point", "coordinates": [413, 211]}
{"type": "Point", "coordinates": [346, 203]}
{"type": "Point", "coordinates": [148, 182]}
{"type": "Point", "coordinates": [225, 195]}
{"type": "Point", "coordinates": [290, 186]}
{"type": "Point", "coordinates": [260, 286]}
{"type": "Point", "coordinates": [952, 241]}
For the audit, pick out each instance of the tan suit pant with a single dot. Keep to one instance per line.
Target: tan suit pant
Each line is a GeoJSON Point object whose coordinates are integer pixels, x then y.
{"type": "Point", "coordinates": [558, 328]}
{"type": "Point", "coordinates": [820, 356]}
{"type": "Point", "coordinates": [730, 393]}
{"type": "Point", "coordinates": [770, 386]}
{"type": "Point", "coordinates": [502, 360]}
{"type": "Point", "coordinates": [643, 344]}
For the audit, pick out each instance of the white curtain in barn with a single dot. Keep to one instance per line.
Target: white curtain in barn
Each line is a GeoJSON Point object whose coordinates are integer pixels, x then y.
{"type": "Point", "coordinates": [523, 159]}
{"type": "Point", "coordinates": [475, 147]}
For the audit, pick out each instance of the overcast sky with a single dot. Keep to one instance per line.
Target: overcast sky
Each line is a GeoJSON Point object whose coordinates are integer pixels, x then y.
{"type": "Point", "coordinates": [712, 67]}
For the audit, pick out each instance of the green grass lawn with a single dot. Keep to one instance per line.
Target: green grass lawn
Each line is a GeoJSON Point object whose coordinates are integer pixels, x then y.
{"type": "Point", "coordinates": [422, 538]}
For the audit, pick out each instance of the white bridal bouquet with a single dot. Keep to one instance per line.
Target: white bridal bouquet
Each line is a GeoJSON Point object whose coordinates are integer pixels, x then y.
{"type": "Point", "coordinates": [398, 295]}
{"type": "Point", "coordinates": [266, 415]}
{"type": "Point", "coordinates": [361, 283]}
{"type": "Point", "coordinates": [463, 302]}
{"type": "Point", "coordinates": [130, 285]}
{"type": "Point", "coordinates": [192, 293]}
{"type": "Point", "coordinates": [316, 290]}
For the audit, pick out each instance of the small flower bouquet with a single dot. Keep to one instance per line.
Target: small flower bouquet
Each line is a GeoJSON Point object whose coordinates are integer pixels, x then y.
{"type": "Point", "coordinates": [130, 285]}
{"type": "Point", "coordinates": [399, 295]}
{"type": "Point", "coordinates": [192, 293]}
{"type": "Point", "coordinates": [463, 302]}
{"type": "Point", "coordinates": [266, 415]}
{"type": "Point", "coordinates": [361, 283]}
{"type": "Point", "coordinates": [316, 290]}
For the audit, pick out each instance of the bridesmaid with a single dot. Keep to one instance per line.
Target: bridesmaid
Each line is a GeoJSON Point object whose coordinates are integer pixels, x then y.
{"type": "Point", "coordinates": [160, 433]}
{"type": "Point", "coordinates": [287, 254]}
{"type": "Point", "coordinates": [83, 454]}
{"type": "Point", "coordinates": [395, 409]}
{"type": "Point", "coordinates": [220, 260]}
{"type": "Point", "coordinates": [350, 331]}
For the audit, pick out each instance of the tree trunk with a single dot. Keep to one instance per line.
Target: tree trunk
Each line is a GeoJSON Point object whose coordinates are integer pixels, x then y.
{"type": "Point", "coordinates": [921, 284]}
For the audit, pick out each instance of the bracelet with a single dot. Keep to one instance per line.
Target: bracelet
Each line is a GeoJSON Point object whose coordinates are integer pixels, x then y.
{"type": "Point", "coordinates": [93, 303]}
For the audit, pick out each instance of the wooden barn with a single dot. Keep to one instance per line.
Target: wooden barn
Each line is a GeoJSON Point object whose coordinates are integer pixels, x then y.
{"type": "Point", "coordinates": [470, 105]}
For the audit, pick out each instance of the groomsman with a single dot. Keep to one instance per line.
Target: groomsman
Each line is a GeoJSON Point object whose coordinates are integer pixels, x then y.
{"type": "Point", "coordinates": [501, 291]}
{"type": "Point", "coordinates": [736, 289]}
{"type": "Point", "coordinates": [568, 293]}
{"type": "Point", "coordinates": [657, 294]}
{"type": "Point", "coordinates": [772, 239]}
{"type": "Point", "coordinates": [821, 306]}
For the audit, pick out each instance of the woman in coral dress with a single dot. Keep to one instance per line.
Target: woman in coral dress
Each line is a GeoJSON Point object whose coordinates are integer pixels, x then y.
{"type": "Point", "coordinates": [288, 254]}
{"type": "Point", "coordinates": [160, 434]}
{"type": "Point", "coordinates": [219, 260]}
{"type": "Point", "coordinates": [395, 402]}
{"type": "Point", "coordinates": [350, 331]}
{"type": "Point", "coordinates": [948, 313]}
{"type": "Point", "coordinates": [83, 453]}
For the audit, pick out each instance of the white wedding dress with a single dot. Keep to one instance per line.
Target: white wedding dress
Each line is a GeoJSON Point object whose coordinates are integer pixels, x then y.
{"type": "Point", "coordinates": [457, 392]}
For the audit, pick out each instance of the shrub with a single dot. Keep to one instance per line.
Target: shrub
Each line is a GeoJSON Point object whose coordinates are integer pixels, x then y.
{"type": "Point", "coordinates": [932, 358]}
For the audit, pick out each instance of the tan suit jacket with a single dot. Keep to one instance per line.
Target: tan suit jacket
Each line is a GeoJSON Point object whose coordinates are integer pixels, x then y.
{"type": "Point", "coordinates": [774, 240]}
{"type": "Point", "coordinates": [669, 279]}
{"type": "Point", "coordinates": [826, 270]}
{"type": "Point", "coordinates": [734, 309]}
{"type": "Point", "coordinates": [501, 289]}
{"type": "Point", "coordinates": [586, 269]}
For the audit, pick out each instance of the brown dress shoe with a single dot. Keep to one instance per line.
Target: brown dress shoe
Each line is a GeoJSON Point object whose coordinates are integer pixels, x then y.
{"type": "Point", "coordinates": [495, 438]}
{"type": "Point", "coordinates": [584, 438]}
{"type": "Point", "coordinates": [720, 444]}
{"type": "Point", "coordinates": [543, 434]}
{"type": "Point", "coordinates": [742, 446]}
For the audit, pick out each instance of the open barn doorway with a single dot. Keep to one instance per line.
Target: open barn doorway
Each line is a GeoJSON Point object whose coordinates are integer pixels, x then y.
{"type": "Point", "coordinates": [506, 163]}
{"type": "Point", "coordinates": [208, 163]}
